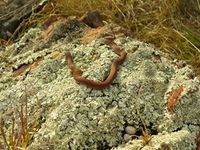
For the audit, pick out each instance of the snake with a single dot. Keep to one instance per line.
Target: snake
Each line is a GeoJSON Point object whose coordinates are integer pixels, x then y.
{"type": "Point", "coordinates": [77, 72]}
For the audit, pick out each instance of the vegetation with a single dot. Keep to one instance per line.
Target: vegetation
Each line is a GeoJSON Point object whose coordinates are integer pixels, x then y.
{"type": "Point", "coordinates": [17, 127]}
{"type": "Point", "coordinates": [172, 25]}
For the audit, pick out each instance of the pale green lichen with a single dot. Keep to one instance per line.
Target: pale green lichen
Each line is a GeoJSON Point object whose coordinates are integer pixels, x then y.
{"type": "Point", "coordinates": [78, 117]}
{"type": "Point", "coordinates": [183, 139]}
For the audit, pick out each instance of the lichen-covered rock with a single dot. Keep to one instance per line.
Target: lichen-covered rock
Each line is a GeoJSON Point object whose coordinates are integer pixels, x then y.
{"type": "Point", "coordinates": [13, 12]}
{"type": "Point", "coordinates": [78, 117]}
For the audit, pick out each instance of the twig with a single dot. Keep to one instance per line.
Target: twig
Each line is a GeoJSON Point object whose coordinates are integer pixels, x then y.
{"type": "Point", "coordinates": [3, 133]}
{"type": "Point", "coordinates": [198, 3]}
{"type": "Point", "coordinates": [119, 9]}
{"type": "Point", "coordinates": [16, 31]}
{"type": "Point", "coordinates": [187, 40]}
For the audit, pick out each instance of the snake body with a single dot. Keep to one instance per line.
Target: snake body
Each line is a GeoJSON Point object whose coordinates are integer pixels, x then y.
{"type": "Point", "coordinates": [113, 71]}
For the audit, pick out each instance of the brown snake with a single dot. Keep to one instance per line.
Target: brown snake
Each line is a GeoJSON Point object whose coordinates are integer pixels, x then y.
{"type": "Point", "coordinates": [113, 71]}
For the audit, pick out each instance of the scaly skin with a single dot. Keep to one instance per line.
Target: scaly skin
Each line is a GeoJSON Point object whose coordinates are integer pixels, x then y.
{"type": "Point", "coordinates": [113, 71]}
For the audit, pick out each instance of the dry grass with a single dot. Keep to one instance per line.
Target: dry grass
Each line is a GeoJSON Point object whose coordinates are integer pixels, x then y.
{"type": "Point", "coordinates": [172, 25]}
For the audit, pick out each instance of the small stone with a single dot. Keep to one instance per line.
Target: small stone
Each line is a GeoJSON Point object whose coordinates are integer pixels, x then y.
{"type": "Point", "coordinates": [130, 130]}
{"type": "Point", "coordinates": [127, 137]}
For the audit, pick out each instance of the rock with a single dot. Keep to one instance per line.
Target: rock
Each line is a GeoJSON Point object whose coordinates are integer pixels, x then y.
{"type": "Point", "coordinates": [13, 12]}
{"type": "Point", "coordinates": [92, 19]}
{"type": "Point", "coordinates": [130, 130]}
{"type": "Point", "coordinates": [73, 116]}
{"type": "Point", "coordinates": [127, 137]}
